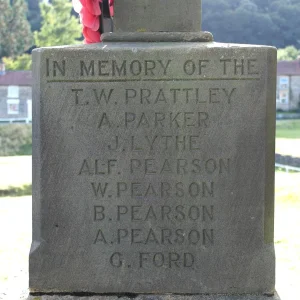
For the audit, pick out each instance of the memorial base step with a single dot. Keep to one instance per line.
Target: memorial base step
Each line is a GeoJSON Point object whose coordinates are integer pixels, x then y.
{"type": "Point", "coordinates": [155, 297]}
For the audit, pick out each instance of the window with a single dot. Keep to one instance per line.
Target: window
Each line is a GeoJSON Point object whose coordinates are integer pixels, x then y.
{"type": "Point", "coordinates": [284, 97]}
{"type": "Point", "coordinates": [284, 83]}
{"type": "Point", "coordinates": [13, 91]}
{"type": "Point", "coordinates": [13, 106]}
{"type": "Point", "coordinates": [13, 102]}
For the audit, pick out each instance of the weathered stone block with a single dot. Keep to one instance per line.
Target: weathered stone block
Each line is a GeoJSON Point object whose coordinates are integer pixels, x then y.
{"type": "Point", "coordinates": [157, 15]}
{"type": "Point", "coordinates": [154, 169]}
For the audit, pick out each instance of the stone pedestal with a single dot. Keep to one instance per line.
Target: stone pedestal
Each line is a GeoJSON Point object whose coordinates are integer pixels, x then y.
{"type": "Point", "coordinates": [153, 163]}
{"type": "Point", "coordinates": [157, 15]}
{"type": "Point", "coordinates": [153, 168]}
{"type": "Point", "coordinates": [158, 297]}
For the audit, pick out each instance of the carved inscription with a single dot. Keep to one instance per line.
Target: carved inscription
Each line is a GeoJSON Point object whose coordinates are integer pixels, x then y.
{"type": "Point", "coordinates": [132, 120]}
{"type": "Point", "coordinates": [153, 68]}
{"type": "Point", "coordinates": [155, 187]}
{"type": "Point", "coordinates": [150, 166]}
{"type": "Point", "coordinates": [150, 97]}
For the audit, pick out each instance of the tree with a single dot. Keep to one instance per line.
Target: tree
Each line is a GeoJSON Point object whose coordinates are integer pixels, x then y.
{"type": "Point", "coordinates": [271, 22]}
{"type": "Point", "coordinates": [288, 53]}
{"type": "Point", "coordinates": [286, 15]}
{"type": "Point", "coordinates": [15, 34]}
{"type": "Point", "coordinates": [240, 22]}
{"type": "Point", "coordinates": [59, 27]}
{"type": "Point", "coordinates": [34, 14]}
{"type": "Point", "coordinates": [22, 62]}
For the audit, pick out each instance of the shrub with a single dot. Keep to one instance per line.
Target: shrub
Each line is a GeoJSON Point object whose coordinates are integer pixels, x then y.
{"type": "Point", "coordinates": [22, 62]}
{"type": "Point", "coordinates": [15, 139]}
{"type": "Point", "coordinates": [12, 191]}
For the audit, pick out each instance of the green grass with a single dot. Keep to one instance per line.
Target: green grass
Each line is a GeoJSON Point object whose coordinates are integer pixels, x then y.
{"type": "Point", "coordinates": [288, 137]}
{"type": "Point", "coordinates": [16, 191]}
{"type": "Point", "coordinates": [289, 129]}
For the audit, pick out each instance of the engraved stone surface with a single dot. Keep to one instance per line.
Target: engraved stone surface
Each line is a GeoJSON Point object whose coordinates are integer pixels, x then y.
{"type": "Point", "coordinates": [153, 169]}
{"type": "Point", "coordinates": [157, 15]}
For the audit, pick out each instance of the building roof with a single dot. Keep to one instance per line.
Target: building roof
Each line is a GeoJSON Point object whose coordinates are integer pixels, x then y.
{"type": "Point", "coordinates": [20, 78]}
{"type": "Point", "coordinates": [288, 67]}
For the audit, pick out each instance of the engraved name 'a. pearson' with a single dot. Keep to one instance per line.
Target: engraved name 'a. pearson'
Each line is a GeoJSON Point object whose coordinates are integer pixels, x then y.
{"type": "Point", "coordinates": [155, 236]}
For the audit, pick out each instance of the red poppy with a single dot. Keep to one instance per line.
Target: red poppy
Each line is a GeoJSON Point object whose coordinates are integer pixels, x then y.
{"type": "Point", "coordinates": [89, 11]}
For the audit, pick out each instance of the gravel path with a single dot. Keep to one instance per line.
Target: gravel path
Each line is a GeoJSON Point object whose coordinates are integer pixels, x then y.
{"type": "Point", "coordinates": [15, 232]}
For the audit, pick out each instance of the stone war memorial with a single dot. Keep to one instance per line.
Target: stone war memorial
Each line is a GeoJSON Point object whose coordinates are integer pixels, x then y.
{"type": "Point", "coordinates": [153, 164]}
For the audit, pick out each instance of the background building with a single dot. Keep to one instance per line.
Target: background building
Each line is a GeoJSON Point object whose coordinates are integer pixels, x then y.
{"type": "Point", "coordinates": [288, 85]}
{"type": "Point", "coordinates": [15, 96]}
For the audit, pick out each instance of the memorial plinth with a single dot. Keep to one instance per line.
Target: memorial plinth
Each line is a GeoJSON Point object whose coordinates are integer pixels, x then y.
{"type": "Point", "coordinates": [157, 297]}
{"type": "Point", "coordinates": [154, 169]}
